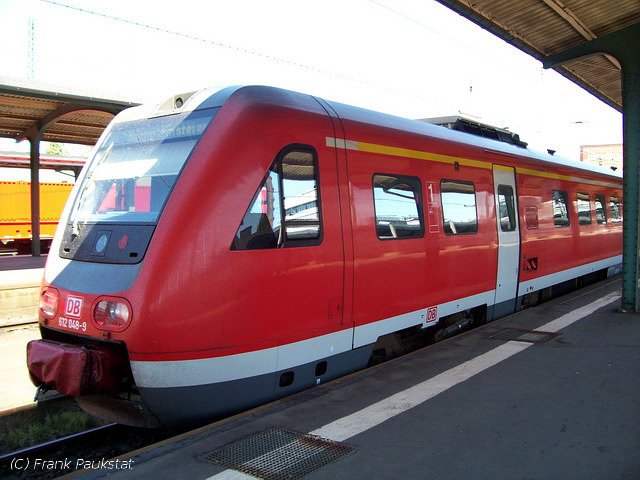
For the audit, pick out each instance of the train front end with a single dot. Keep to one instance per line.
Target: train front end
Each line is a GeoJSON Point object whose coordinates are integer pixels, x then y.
{"type": "Point", "coordinates": [92, 306]}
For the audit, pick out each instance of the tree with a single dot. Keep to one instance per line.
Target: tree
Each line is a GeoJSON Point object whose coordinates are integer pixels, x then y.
{"type": "Point", "coordinates": [55, 148]}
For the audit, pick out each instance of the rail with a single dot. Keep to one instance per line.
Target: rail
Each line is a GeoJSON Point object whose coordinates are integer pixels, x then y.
{"type": "Point", "coordinates": [95, 446]}
{"type": "Point", "coordinates": [58, 444]}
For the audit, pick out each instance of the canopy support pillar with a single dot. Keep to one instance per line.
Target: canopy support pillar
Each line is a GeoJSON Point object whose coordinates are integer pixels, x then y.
{"type": "Point", "coordinates": [625, 46]}
{"type": "Point", "coordinates": [34, 166]}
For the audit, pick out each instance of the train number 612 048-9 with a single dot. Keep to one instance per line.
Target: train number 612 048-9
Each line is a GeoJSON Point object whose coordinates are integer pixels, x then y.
{"type": "Point", "coordinates": [76, 325]}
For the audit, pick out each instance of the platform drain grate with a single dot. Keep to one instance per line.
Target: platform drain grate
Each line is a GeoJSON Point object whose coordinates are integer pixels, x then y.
{"type": "Point", "coordinates": [277, 454]}
{"type": "Point", "coordinates": [530, 336]}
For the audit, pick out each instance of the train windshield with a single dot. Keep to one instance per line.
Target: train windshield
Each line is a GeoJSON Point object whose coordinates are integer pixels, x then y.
{"type": "Point", "coordinates": [136, 166]}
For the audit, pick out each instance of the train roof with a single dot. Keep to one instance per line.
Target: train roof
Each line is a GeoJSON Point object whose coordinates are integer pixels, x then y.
{"type": "Point", "coordinates": [211, 97]}
{"type": "Point", "coordinates": [357, 114]}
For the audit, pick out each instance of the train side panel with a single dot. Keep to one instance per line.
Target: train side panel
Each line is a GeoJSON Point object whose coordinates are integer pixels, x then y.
{"type": "Point", "coordinates": [401, 282]}
{"type": "Point", "coordinates": [558, 243]}
{"type": "Point", "coordinates": [278, 314]}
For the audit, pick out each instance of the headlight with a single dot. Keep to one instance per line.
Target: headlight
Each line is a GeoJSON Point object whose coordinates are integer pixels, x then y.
{"type": "Point", "coordinates": [49, 302]}
{"type": "Point", "coordinates": [111, 313]}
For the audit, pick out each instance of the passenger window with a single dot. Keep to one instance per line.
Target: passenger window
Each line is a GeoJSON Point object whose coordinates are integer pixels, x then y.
{"type": "Point", "coordinates": [560, 208]}
{"type": "Point", "coordinates": [291, 187]}
{"type": "Point", "coordinates": [614, 203]}
{"type": "Point", "coordinates": [506, 208]}
{"type": "Point", "coordinates": [459, 213]}
{"type": "Point", "coordinates": [601, 212]}
{"type": "Point", "coordinates": [531, 217]}
{"type": "Point", "coordinates": [584, 208]}
{"type": "Point", "coordinates": [398, 207]}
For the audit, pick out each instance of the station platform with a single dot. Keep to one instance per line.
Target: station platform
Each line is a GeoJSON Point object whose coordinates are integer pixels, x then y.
{"type": "Point", "coordinates": [552, 392]}
{"type": "Point", "coordinates": [20, 278]}
{"type": "Point", "coordinates": [17, 390]}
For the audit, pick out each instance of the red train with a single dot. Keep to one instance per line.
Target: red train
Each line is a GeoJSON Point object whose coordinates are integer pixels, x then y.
{"type": "Point", "coordinates": [314, 230]}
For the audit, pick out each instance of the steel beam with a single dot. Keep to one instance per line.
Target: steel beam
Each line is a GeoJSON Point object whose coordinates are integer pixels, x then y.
{"type": "Point", "coordinates": [55, 115]}
{"type": "Point", "coordinates": [625, 46]}
{"type": "Point", "coordinates": [34, 166]}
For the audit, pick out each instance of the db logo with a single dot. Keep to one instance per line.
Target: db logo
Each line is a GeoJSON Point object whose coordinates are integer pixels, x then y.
{"type": "Point", "coordinates": [432, 315]}
{"type": "Point", "coordinates": [73, 307]}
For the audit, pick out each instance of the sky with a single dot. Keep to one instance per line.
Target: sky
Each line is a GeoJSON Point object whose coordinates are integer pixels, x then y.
{"type": "Point", "coordinates": [412, 58]}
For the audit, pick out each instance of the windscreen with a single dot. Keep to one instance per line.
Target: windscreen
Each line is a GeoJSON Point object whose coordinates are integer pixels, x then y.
{"type": "Point", "coordinates": [135, 167]}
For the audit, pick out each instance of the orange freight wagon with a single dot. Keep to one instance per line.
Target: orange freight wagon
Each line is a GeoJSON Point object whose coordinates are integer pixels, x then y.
{"type": "Point", "coordinates": [15, 213]}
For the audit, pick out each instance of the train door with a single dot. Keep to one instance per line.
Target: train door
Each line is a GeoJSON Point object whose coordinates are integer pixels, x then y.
{"type": "Point", "coordinates": [508, 240]}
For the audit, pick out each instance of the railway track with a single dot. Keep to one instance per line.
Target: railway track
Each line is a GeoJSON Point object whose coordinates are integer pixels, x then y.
{"type": "Point", "coordinates": [49, 459]}
{"type": "Point", "coordinates": [20, 324]}
{"type": "Point", "coordinates": [58, 444]}
{"type": "Point", "coordinates": [67, 454]}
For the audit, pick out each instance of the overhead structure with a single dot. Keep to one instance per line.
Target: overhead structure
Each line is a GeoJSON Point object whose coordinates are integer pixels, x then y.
{"type": "Point", "coordinates": [596, 44]}
{"type": "Point", "coordinates": [543, 28]}
{"type": "Point", "coordinates": [49, 162]}
{"type": "Point", "coordinates": [30, 112]}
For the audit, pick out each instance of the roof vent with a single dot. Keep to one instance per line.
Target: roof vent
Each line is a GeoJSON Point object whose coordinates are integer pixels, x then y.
{"type": "Point", "coordinates": [474, 127]}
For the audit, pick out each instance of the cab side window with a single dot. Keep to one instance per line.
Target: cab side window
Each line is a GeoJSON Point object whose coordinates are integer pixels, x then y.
{"type": "Point", "coordinates": [285, 210]}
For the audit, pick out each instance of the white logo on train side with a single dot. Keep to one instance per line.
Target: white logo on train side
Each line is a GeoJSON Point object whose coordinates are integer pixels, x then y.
{"type": "Point", "coordinates": [73, 307]}
{"type": "Point", "coordinates": [431, 316]}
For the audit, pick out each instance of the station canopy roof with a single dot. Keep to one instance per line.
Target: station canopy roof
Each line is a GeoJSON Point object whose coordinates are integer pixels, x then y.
{"type": "Point", "coordinates": [27, 107]}
{"type": "Point", "coordinates": [543, 28]}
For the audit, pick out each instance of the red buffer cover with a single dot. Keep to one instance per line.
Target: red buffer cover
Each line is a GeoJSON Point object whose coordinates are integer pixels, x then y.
{"type": "Point", "coordinates": [57, 365]}
{"type": "Point", "coordinates": [71, 369]}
